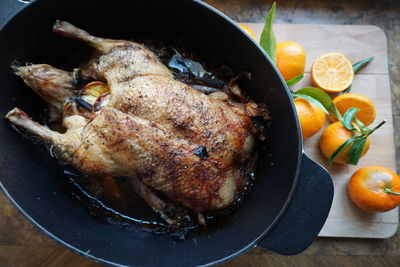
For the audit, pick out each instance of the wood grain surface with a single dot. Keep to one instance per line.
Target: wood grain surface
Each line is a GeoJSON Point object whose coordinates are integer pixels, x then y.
{"type": "Point", "coordinates": [23, 245]}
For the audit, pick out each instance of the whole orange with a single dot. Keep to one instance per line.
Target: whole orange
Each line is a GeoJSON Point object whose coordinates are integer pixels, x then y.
{"type": "Point", "coordinates": [367, 186]}
{"type": "Point", "coordinates": [333, 137]}
{"type": "Point", "coordinates": [345, 101]}
{"type": "Point", "coordinates": [290, 59]}
{"type": "Point", "coordinates": [311, 117]}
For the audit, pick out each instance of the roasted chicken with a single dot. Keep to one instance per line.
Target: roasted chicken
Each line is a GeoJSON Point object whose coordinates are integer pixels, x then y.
{"type": "Point", "coordinates": [172, 141]}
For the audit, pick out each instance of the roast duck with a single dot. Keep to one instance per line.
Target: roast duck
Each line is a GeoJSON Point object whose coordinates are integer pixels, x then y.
{"type": "Point", "coordinates": [178, 146]}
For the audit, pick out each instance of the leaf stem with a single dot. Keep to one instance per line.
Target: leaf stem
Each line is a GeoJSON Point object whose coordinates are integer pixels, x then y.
{"type": "Point", "coordinates": [376, 128]}
{"type": "Point", "coordinates": [389, 191]}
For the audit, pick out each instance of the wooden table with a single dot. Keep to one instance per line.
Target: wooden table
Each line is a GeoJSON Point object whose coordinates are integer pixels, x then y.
{"type": "Point", "coordinates": [22, 245]}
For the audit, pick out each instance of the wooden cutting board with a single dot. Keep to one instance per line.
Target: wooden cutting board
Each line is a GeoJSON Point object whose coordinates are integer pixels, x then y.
{"type": "Point", "coordinates": [356, 42]}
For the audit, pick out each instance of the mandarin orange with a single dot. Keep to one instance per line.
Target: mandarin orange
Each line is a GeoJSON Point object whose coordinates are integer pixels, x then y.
{"type": "Point", "coordinates": [345, 101]}
{"type": "Point", "coordinates": [312, 118]}
{"type": "Point", "coordinates": [290, 59]}
{"type": "Point", "coordinates": [333, 137]}
{"type": "Point", "coordinates": [369, 189]}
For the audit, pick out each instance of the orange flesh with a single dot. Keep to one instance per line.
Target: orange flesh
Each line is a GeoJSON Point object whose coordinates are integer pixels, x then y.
{"type": "Point", "coordinates": [332, 72]}
{"type": "Point", "coordinates": [346, 101]}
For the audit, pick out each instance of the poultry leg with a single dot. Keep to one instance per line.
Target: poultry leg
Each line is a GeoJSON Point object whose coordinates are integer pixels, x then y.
{"type": "Point", "coordinates": [21, 119]}
{"type": "Point", "coordinates": [101, 44]}
{"type": "Point", "coordinates": [156, 203]}
{"type": "Point", "coordinates": [53, 85]}
{"type": "Point", "coordinates": [64, 145]}
{"type": "Point", "coordinates": [134, 58]}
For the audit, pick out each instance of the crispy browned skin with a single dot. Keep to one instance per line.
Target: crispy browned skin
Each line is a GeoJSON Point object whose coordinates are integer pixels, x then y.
{"type": "Point", "coordinates": [52, 84]}
{"type": "Point", "coordinates": [153, 128]}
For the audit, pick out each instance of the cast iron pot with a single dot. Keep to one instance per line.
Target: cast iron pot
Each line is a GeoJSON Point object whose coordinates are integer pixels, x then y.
{"type": "Point", "coordinates": [292, 195]}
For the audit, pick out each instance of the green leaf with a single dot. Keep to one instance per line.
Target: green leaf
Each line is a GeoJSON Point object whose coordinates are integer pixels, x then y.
{"type": "Point", "coordinates": [355, 151]}
{"type": "Point", "coordinates": [359, 123]}
{"type": "Point", "coordinates": [340, 149]}
{"type": "Point", "coordinates": [361, 126]}
{"type": "Point", "coordinates": [348, 118]}
{"type": "Point", "coordinates": [361, 64]}
{"type": "Point", "coordinates": [268, 40]}
{"type": "Point", "coordinates": [294, 80]}
{"type": "Point", "coordinates": [358, 66]}
{"type": "Point", "coordinates": [311, 100]}
{"type": "Point", "coordinates": [322, 97]}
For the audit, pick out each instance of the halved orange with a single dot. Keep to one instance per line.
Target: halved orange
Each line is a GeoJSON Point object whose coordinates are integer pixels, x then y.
{"type": "Point", "coordinates": [332, 72]}
{"type": "Point", "coordinates": [343, 102]}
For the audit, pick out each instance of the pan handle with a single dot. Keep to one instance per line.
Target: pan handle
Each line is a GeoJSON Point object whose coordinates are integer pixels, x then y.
{"type": "Point", "coordinates": [8, 9]}
{"type": "Point", "coordinates": [306, 213]}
